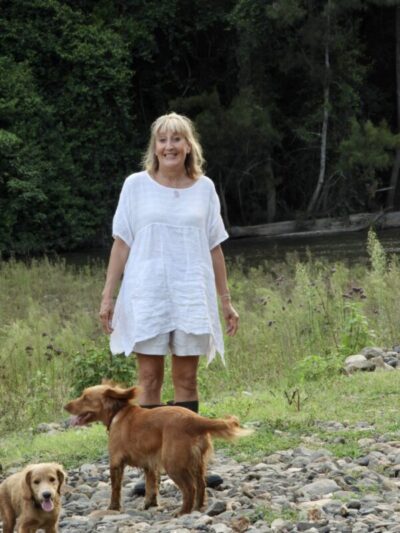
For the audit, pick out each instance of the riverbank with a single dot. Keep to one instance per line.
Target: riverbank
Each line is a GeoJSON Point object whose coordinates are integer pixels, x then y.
{"type": "Point", "coordinates": [51, 343]}
{"type": "Point", "coordinates": [333, 465]}
{"type": "Point", "coordinates": [299, 489]}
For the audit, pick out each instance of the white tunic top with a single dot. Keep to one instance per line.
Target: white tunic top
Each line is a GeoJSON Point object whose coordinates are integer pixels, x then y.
{"type": "Point", "coordinates": [169, 281]}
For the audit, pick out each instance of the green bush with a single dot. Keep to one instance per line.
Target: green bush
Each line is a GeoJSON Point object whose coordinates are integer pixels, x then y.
{"type": "Point", "coordinates": [93, 364]}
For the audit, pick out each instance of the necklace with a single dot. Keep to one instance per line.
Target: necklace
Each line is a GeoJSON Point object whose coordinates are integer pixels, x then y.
{"type": "Point", "coordinates": [171, 183]}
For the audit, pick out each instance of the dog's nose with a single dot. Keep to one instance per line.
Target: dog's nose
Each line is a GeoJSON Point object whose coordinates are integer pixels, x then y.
{"type": "Point", "coordinates": [46, 495]}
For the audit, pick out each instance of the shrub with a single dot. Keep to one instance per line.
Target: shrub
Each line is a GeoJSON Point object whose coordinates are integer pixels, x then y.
{"type": "Point", "coordinates": [95, 363]}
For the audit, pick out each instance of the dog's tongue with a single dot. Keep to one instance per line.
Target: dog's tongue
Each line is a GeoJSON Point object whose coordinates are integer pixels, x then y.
{"type": "Point", "coordinates": [74, 421]}
{"type": "Point", "coordinates": [47, 505]}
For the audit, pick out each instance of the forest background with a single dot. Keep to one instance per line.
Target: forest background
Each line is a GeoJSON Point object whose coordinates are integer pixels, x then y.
{"type": "Point", "coordinates": [297, 103]}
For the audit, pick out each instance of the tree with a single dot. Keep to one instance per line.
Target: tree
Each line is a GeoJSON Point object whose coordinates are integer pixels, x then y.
{"type": "Point", "coordinates": [74, 128]}
{"type": "Point", "coordinates": [394, 178]}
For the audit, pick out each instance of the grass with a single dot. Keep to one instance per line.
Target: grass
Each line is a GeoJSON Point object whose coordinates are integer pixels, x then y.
{"type": "Point", "coordinates": [298, 323]}
{"type": "Point", "coordinates": [278, 425]}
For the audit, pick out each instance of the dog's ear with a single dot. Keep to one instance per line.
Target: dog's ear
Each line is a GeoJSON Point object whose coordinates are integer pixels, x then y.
{"type": "Point", "coordinates": [121, 394]}
{"type": "Point", "coordinates": [61, 475]}
{"type": "Point", "coordinates": [26, 484]}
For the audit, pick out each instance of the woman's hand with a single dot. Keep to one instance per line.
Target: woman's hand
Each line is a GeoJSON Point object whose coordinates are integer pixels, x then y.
{"type": "Point", "coordinates": [231, 317]}
{"type": "Point", "coordinates": [118, 257]}
{"type": "Point", "coordinates": [106, 314]}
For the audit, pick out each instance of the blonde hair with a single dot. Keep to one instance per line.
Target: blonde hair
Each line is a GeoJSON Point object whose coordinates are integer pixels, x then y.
{"type": "Point", "coordinates": [182, 125]}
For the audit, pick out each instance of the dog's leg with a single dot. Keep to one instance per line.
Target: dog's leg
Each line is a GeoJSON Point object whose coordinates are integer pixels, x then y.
{"type": "Point", "coordinates": [9, 518]}
{"type": "Point", "coordinates": [27, 529]}
{"type": "Point", "coordinates": [51, 529]}
{"type": "Point", "coordinates": [152, 479]}
{"type": "Point", "coordinates": [200, 481]}
{"type": "Point", "coordinates": [186, 485]}
{"type": "Point", "coordinates": [116, 472]}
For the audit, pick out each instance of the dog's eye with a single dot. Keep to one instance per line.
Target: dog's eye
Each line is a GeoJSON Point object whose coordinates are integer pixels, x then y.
{"type": "Point", "coordinates": [52, 479]}
{"type": "Point", "coordinates": [36, 481]}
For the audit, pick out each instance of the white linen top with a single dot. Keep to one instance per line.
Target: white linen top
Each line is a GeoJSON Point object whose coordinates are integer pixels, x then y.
{"type": "Point", "coordinates": [168, 281]}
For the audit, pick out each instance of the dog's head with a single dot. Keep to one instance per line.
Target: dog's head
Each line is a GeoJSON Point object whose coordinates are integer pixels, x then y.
{"type": "Point", "coordinates": [100, 403]}
{"type": "Point", "coordinates": [42, 483]}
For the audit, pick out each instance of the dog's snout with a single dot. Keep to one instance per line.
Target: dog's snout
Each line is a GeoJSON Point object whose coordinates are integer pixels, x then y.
{"type": "Point", "coordinates": [46, 495]}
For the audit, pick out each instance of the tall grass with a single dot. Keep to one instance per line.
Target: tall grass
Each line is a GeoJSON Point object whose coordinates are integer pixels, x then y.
{"type": "Point", "coordinates": [47, 312]}
{"type": "Point", "coordinates": [298, 321]}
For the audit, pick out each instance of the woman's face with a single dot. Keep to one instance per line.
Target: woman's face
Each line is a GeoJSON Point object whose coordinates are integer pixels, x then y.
{"type": "Point", "coordinates": [171, 149]}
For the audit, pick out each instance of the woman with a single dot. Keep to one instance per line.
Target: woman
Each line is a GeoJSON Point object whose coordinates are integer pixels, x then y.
{"type": "Point", "coordinates": [167, 232]}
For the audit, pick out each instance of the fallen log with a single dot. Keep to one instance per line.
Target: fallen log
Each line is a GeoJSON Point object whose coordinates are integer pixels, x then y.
{"type": "Point", "coordinates": [321, 226]}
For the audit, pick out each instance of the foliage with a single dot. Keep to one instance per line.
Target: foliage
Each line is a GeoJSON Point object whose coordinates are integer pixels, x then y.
{"type": "Point", "coordinates": [364, 155]}
{"type": "Point", "coordinates": [366, 397]}
{"type": "Point", "coordinates": [51, 343]}
{"type": "Point", "coordinates": [93, 364]}
{"type": "Point", "coordinates": [66, 115]}
{"type": "Point", "coordinates": [80, 83]}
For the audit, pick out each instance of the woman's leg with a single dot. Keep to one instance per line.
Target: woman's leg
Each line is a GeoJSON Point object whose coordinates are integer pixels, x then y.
{"type": "Point", "coordinates": [184, 377]}
{"type": "Point", "coordinates": [151, 377]}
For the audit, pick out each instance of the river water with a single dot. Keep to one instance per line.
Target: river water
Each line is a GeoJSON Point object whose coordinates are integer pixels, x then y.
{"type": "Point", "coordinates": [347, 247]}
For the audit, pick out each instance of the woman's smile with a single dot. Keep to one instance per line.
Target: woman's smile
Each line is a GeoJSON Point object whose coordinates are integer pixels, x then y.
{"type": "Point", "coordinates": [171, 150]}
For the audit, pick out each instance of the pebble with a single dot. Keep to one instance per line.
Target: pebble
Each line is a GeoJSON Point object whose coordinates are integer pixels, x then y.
{"type": "Point", "coordinates": [300, 489]}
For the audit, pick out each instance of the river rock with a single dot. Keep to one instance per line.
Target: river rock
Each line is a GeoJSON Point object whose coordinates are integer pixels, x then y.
{"type": "Point", "coordinates": [300, 489]}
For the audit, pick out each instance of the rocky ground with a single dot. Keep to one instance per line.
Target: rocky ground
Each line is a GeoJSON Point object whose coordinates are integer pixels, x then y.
{"type": "Point", "coordinates": [302, 489]}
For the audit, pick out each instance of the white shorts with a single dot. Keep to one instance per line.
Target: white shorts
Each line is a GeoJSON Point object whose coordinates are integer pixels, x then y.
{"type": "Point", "coordinates": [176, 342]}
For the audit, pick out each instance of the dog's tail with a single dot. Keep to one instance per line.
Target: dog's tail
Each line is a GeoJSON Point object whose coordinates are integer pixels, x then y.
{"type": "Point", "coordinates": [223, 428]}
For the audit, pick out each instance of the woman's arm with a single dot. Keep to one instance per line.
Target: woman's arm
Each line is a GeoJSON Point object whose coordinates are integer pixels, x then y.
{"type": "Point", "coordinates": [221, 281]}
{"type": "Point", "coordinates": [118, 257]}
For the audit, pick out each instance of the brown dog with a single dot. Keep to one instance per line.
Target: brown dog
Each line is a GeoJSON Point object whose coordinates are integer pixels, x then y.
{"type": "Point", "coordinates": [170, 438]}
{"type": "Point", "coordinates": [32, 497]}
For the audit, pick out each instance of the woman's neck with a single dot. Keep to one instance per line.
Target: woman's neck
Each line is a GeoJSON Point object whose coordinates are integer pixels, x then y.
{"type": "Point", "coordinates": [172, 174]}
{"type": "Point", "coordinates": [172, 177]}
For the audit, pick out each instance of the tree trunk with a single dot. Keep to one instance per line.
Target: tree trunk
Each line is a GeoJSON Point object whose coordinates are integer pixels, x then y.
{"type": "Point", "coordinates": [394, 178]}
{"type": "Point", "coordinates": [271, 194]}
{"type": "Point", "coordinates": [324, 132]}
{"type": "Point", "coordinates": [224, 205]}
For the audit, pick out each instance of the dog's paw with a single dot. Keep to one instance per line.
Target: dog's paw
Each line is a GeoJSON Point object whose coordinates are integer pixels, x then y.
{"type": "Point", "coordinates": [150, 503]}
{"type": "Point", "coordinates": [114, 507]}
{"type": "Point", "coordinates": [179, 513]}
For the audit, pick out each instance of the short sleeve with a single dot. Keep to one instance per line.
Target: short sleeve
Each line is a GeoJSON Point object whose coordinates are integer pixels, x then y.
{"type": "Point", "coordinates": [216, 229]}
{"type": "Point", "coordinates": [123, 219]}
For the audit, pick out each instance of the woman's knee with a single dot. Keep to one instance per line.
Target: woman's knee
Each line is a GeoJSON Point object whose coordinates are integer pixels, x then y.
{"type": "Point", "coordinates": [150, 373]}
{"type": "Point", "coordinates": [186, 379]}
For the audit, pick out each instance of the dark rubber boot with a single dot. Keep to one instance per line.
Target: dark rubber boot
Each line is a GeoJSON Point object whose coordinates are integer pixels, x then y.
{"type": "Point", "coordinates": [192, 406]}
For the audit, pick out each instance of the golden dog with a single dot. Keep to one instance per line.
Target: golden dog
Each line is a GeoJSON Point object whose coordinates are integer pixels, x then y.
{"type": "Point", "coordinates": [172, 439]}
{"type": "Point", "coordinates": [32, 497]}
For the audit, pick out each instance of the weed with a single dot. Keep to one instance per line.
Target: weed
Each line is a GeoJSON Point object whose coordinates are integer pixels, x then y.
{"type": "Point", "coordinates": [267, 514]}
{"type": "Point", "coordinates": [299, 320]}
{"type": "Point", "coordinates": [94, 363]}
